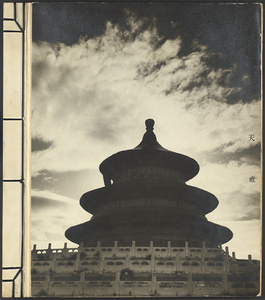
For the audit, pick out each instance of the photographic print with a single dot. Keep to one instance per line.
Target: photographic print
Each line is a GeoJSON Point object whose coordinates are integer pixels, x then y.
{"type": "Point", "coordinates": [146, 149]}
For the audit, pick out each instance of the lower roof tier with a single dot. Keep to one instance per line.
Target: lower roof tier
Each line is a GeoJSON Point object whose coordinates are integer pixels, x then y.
{"type": "Point", "coordinates": [194, 231]}
{"type": "Point", "coordinates": [205, 201]}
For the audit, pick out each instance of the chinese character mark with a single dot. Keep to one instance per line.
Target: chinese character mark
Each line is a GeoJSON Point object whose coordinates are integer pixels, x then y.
{"type": "Point", "coordinates": [252, 179]}
{"type": "Point", "coordinates": [251, 137]}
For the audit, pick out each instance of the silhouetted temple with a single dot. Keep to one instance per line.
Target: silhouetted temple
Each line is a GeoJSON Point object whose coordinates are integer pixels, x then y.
{"type": "Point", "coordinates": [148, 235]}
{"type": "Point", "coordinates": [146, 198]}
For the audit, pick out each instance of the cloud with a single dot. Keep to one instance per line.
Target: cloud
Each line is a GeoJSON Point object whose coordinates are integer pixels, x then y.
{"type": "Point", "coordinates": [91, 100]}
{"type": "Point", "coordinates": [70, 184]}
{"type": "Point", "coordinates": [38, 144]}
{"type": "Point", "coordinates": [52, 214]}
{"type": "Point", "coordinates": [239, 198]}
{"type": "Point", "coordinates": [251, 155]}
{"type": "Point", "coordinates": [252, 208]}
{"type": "Point", "coordinates": [48, 197]}
{"type": "Point", "coordinates": [254, 214]}
{"type": "Point", "coordinates": [228, 178]}
{"type": "Point", "coordinates": [38, 203]}
{"type": "Point", "coordinates": [88, 98]}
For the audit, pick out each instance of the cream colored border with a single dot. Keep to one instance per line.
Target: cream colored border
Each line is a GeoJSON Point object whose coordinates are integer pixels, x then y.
{"type": "Point", "coordinates": [27, 152]}
{"type": "Point", "coordinates": [21, 24]}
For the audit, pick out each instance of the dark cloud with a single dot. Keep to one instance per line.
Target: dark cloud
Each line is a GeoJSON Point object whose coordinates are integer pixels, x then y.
{"type": "Point", "coordinates": [38, 144]}
{"type": "Point", "coordinates": [39, 203]}
{"type": "Point", "coordinates": [253, 206]}
{"type": "Point", "coordinates": [254, 199]}
{"type": "Point", "coordinates": [145, 69]}
{"type": "Point", "coordinates": [66, 22]}
{"type": "Point", "coordinates": [104, 133]}
{"type": "Point", "coordinates": [71, 184]}
{"type": "Point", "coordinates": [252, 215]}
{"type": "Point", "coordinates": [208, 75]}
{"type": "Point", "coordinates": [200, 81]}
{"type": "Point", "coordinates": [45, 67]}
{"type": "Point", "coordinates": [251, 155]}
{"type": "Point", "coordinates": [38, 69]}
{"type": "Point", "coordinates": [222, 28]}
{"type": "Point", "coordinates": [108, 127]}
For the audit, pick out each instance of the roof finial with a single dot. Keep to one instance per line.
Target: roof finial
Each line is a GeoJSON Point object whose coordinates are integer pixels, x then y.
{"type": "Point", "coordinates": [149, 139]}
{"type": "Point", "coordinates": [149, 123]}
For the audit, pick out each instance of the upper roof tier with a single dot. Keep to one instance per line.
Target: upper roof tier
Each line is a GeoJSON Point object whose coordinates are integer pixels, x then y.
{"type": "Point", "coordinates": [149, 153]}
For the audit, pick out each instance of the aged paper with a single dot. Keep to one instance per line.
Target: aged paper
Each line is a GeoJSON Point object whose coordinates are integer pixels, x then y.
{"type": "Point", "coordinates": [17, 41]}
{"type": "Point", "coordinates": [99, 70]}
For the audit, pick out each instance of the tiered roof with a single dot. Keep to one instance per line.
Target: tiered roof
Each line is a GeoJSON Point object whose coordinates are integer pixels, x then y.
{"type": "Point", "coordinates": [146, 198]}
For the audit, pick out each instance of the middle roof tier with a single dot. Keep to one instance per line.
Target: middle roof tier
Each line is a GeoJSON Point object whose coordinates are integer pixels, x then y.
{"type": "Point", "coordinates": [178, 193]}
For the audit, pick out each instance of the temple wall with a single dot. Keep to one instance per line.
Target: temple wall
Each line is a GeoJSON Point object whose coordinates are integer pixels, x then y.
{"type": "Point", "coordinates": [142, 271]}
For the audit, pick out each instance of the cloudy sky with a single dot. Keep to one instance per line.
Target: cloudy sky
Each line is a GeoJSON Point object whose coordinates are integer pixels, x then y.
{"type": "Point", "coordinates": [101, 69]}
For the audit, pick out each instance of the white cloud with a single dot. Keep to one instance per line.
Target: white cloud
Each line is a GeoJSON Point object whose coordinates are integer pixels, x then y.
{"type": "Point", "coordinates": [51, 196]}
{"type": "Point", "coordinates": [102, 89]}
{"type": "Point", "coordinates": [228, 178]}
{"type": "Point", "coordinates": [50, 221]}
